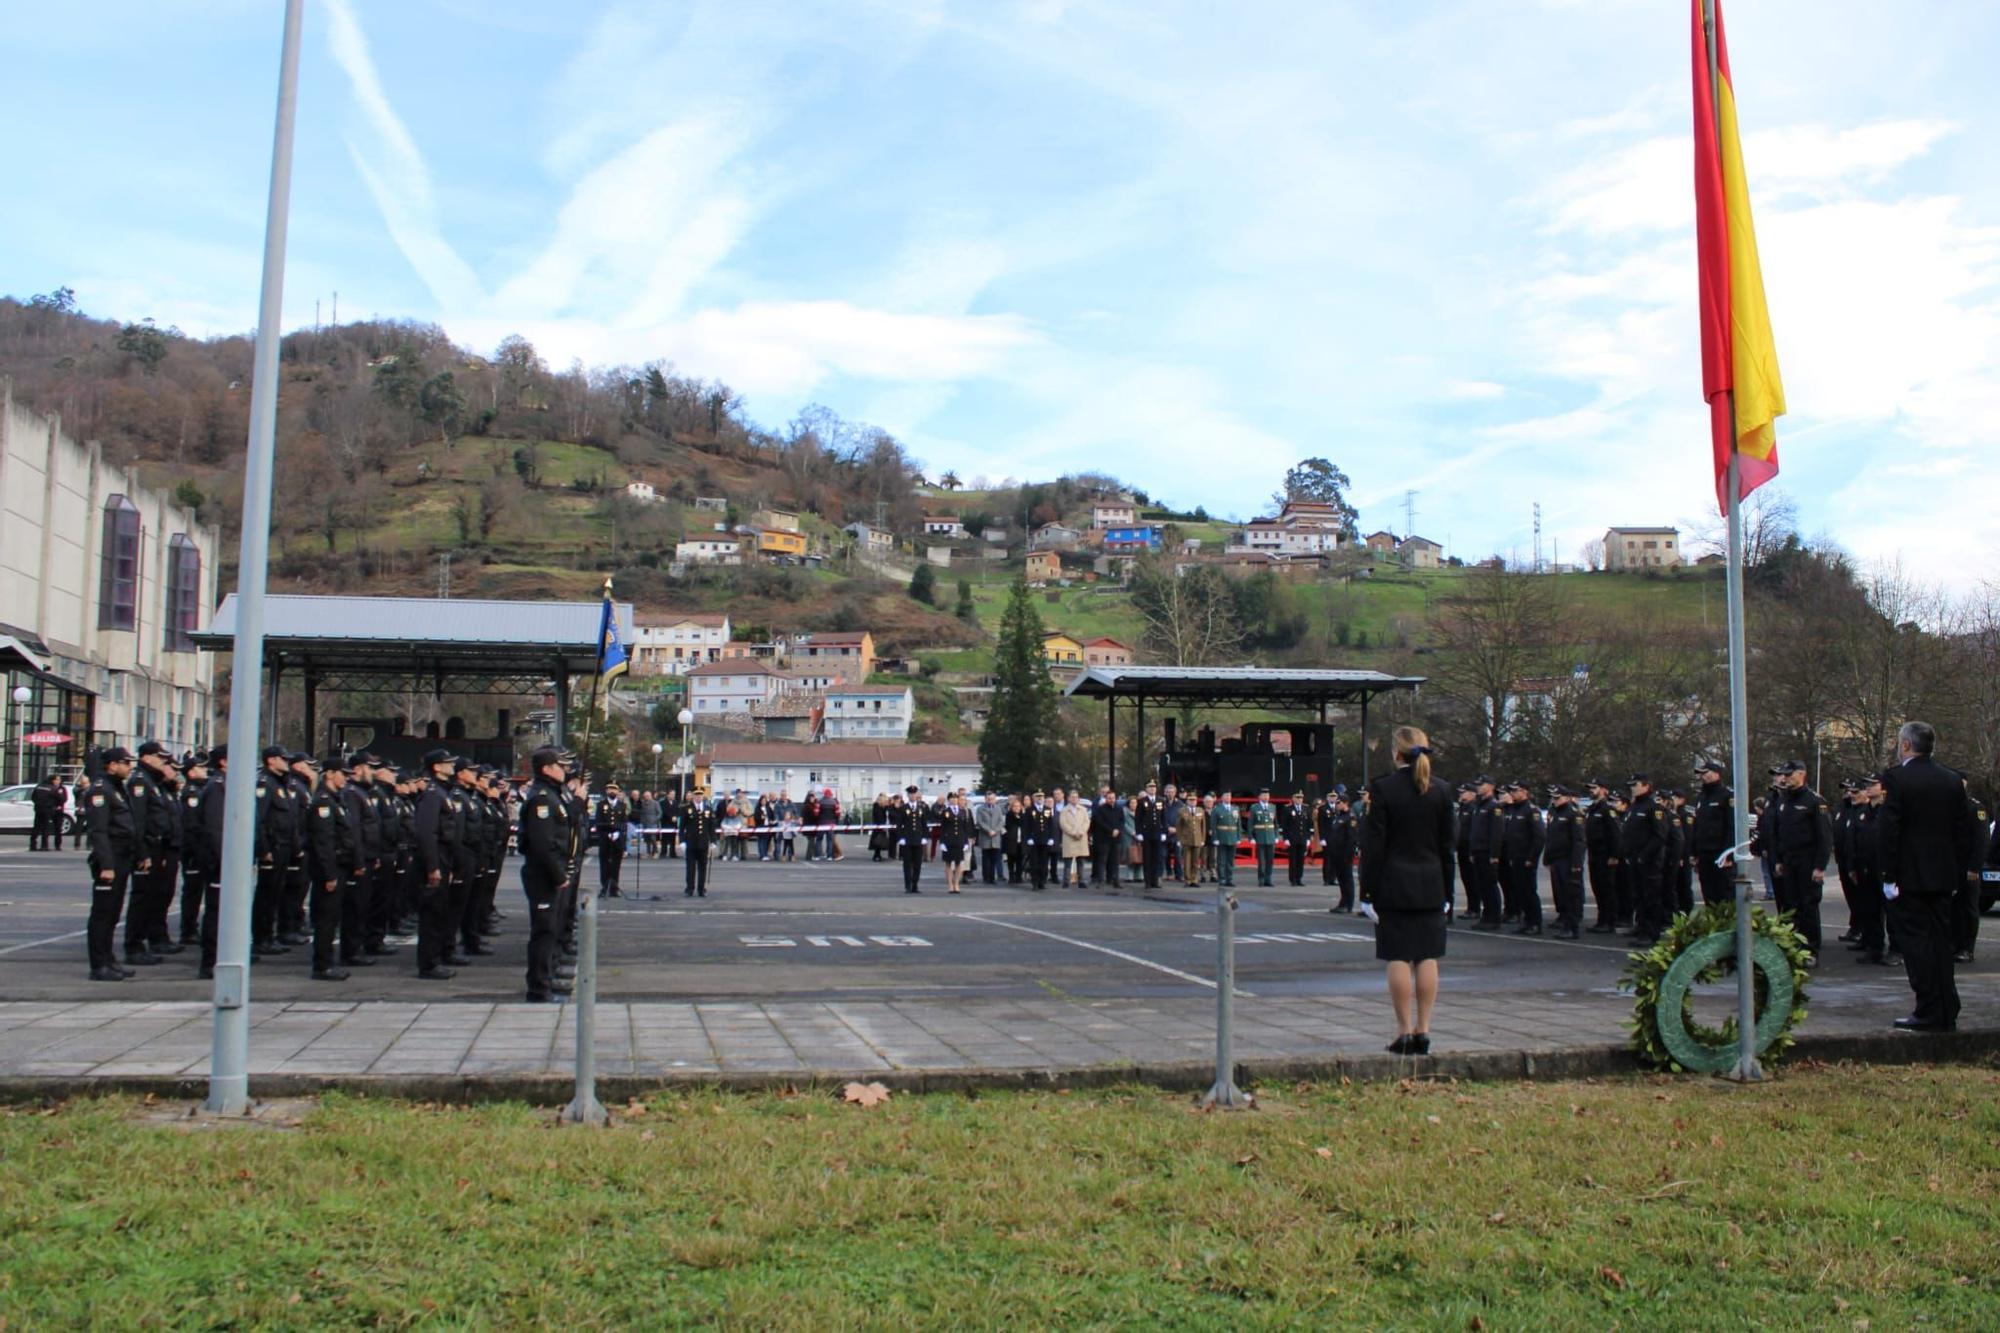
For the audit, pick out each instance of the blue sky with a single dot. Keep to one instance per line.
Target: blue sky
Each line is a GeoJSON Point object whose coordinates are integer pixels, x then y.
{"type": "Point", "coordinates": [1447, 245]}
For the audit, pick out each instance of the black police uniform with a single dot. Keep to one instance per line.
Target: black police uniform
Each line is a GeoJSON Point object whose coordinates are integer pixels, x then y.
{"type": "Point", "coordinates": [1483, 842]}
{"type": "Point", "coordinates": [1714, 833]}
{"type": "Point", "coordinates": [1797, 834]}
{"type": "Point", "coordinates": [1563, 853]}
{"type": "Point", "coordinates": [1336, 836]}
{"type": "Point", "coordinates": [333, 852]}
{"type": "Point", "coordinates": [908, 824]}
{"type": "Point", "coordinates": [275, 839]}
{"type": "Point", "coordinates": [1863, 848]}
{"type": "Point", "coordinates": [114, 853]}
{"type": "Point", "coordinates": [214, 797]}
{"type": "Point", "coordinates": [1295, 827]}
{"type": "Point", "coordinates": [295, 903]}
{"type": "Point", "coordinates": [1643, 842]}
{"type": "Point", "coordinates": [439, 829]}
{"type": "Point", "coordinates": [1039, 835]}
{"type": "Point", "coordinates": [1521, 842]}
{"type": "Point", "coordinates": [1601, 838]}
{"type": "Point", "coordinates": [698, 825]}
{"type": "Point", "coordinates": [544, 869]}
{"type": "Point", "coordinates": [152, 817]}
{"type": "Point", "coordinates": [194, 859]}
{"type": "Point", "coordinates": [613, 814]}
{"type": "Point", "coordinates": [1148, 822]}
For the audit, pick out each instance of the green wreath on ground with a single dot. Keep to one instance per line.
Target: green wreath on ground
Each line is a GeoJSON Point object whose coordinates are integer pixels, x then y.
{"type": "Point", "coordinates": [1700, 947]}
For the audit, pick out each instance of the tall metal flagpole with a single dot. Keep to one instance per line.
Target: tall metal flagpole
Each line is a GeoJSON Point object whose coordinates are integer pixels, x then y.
{"type": "Point", "coordinates": [1747, 1069]}
{"type": "Point", "coordinates": [584, 1108]}
{"type": "Point", "coordinates": [229, 1065]}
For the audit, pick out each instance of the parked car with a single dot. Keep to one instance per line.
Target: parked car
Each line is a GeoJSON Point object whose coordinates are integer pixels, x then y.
{"type": "Point", "coordinates": [17, 811]}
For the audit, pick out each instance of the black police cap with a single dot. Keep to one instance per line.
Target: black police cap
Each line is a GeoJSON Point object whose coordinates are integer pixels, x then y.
{"type": "Point", "coordinates": [273, 752]}
{"type": "Point", "coordinates": [436, 757]}
{"type": "Point", "coordinates": [151, 747]}
{"type": "Point", "coordinates": [1711, 766]}
{"type": "Point", "coordinates": [1646, 778]}
{"type": "Point", "coordinates": [218, 753]}
{"type": "Point", "coordinates": [333, 763]}
{"type": "Point", "coordinates": [117, 754]}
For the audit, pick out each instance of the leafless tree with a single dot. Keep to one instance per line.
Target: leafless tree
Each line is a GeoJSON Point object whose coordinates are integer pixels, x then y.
{"type": "Point", "coordinates": [1501, 628]}
{"type": "Point", "coordinates": [1190, 618]}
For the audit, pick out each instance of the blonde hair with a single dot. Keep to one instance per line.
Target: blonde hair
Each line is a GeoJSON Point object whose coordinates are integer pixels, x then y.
{"type": "Point", "coordinates": [1413, 747]}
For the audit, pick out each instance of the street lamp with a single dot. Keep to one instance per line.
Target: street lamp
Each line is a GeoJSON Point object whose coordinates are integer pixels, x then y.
{"type": "Point", "coordinates": [21, 696]}
{"type": "Point", "coordinates": [686, 718]}
{"type": "Point", "coordinates": [654, 838]}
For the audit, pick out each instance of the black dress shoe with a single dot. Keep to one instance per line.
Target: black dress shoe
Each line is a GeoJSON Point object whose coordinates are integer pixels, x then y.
{"type": "Point", "coordinates": [330, 974]}
{"type": "Point", "coordinates": [383, 950]}
{"type": "Point", "coordinates": [359, 960]}
{"type": "Point", "coordinates": [1420, 1043]}
{"type": "Point", "coordinates": [436, 974]}
{"type": "Point", "coordinates": [477, 950]}
{"type": "Point", "coordinates": [455, 960]}
{"type": "Point", "coordinates": [164, 948]}
{"type": "Point", "coordinates": [293, 938]}
{"type": "Point", "coordinates": [1401, 1045]}
{"type": "Point", "coordinates": [142, 960]}
{"type": "Point", "coordinates": [107, 974]}
{"type": "Point", "coordinates": [1528, 930]}
{"type": "Point", "coordinates": [1603, 928]}
{"type": "Point", "coordinates": [273, 947]}
{"type": "Point", "coordinates": [1911, 1023]}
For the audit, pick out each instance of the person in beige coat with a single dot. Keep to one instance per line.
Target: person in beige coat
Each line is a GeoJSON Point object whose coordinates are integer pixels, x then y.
{"type": "Point", "coordinates": [1192, 829]}
{"type": "Point", "coordinates": [1074, 821]}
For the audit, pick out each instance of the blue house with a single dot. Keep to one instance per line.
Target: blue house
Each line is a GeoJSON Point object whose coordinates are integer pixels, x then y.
{"type": "Point", "coordinates": [1140, 537]}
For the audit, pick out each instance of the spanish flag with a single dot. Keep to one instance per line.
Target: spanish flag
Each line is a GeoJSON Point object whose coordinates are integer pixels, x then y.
{"type": "Point", "coordinates": [1737, 352]}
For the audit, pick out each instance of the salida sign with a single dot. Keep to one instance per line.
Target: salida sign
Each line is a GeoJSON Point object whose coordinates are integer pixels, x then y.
{"type": "Point", "coordinates": [45, 738]}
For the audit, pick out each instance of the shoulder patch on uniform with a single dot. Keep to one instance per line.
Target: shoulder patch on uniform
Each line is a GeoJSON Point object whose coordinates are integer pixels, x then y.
{"type": "Point", "coordinates": [97, 800]}
{"type": "Point", "coordinates": [541, 811]}
{"type": "Point", "coordinates": [326, 812]}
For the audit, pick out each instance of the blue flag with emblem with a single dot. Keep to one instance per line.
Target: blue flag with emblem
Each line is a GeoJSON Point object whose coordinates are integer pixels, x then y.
{"type": "Point", "coordinates": [610, 652]}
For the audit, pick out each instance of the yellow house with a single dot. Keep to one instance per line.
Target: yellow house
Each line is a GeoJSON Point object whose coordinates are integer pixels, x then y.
{"type": "Point", "coordinates": [776, 541]}
{"type": "Point", "coordinates": [1059, 649]}
{"type": "Point", "coordinates": [1044, 566]}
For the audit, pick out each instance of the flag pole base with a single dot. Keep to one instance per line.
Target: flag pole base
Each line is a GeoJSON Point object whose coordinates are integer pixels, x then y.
{"type": "Point", "coordinates": [584, 1111]}
{"type": "Point", "coordinates": [1745, 1072]}
{"type": "Point", "coordinates": [1225, 1096]}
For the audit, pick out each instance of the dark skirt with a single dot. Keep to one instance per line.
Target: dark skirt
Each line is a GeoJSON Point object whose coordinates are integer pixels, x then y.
{"type": "Point", "coordinates": [1410, 937]}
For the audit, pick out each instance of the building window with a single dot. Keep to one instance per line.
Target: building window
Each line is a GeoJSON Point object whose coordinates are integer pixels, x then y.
{"type": "Point", "coordinates": [118, 577]}
{"type": "Point", "coordinates": [183, 593]}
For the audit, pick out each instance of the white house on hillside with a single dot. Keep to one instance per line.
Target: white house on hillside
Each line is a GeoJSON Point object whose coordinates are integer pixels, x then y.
{"type": "Point", "coordinates": [669, 643]}
{"type": "Point", "coordinates": [869, 713]}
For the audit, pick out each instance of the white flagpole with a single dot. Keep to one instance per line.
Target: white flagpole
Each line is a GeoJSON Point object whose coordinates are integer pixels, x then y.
{"type": "Point", "coordinates": [1747, 1069]}
{"type": "Point", "coordinates": [229, 1063]}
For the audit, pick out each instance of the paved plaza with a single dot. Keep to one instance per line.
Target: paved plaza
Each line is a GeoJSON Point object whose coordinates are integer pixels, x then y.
{"type": "Point", "coordinates": [802, 971]}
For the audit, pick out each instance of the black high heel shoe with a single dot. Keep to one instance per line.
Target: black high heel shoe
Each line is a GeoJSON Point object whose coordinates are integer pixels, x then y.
{"type": "Point", "coordinates": [1401, 1045]}
{"type": "Point", "coordinates": [1420, 1043]}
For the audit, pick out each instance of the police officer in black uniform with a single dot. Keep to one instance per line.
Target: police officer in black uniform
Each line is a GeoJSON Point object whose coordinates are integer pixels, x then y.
{"type": "Point", "coordinates": [1713, 833]}
{"type": "Point", "coordinates": [698, 825]}
{"type": "Point", "coordinates": [164, 844]}
{"type": "Point", "coordinates": [333, 853]}
{"type": "Point", "coordinates": [1295, 826]}
{"type": "Point", "coordinates": [194, 848]}
{"type": "Point", "coordinates": [1482, 843]}
{"type": "Point", "coordinates": [1563, 854]}
{"type": "Point", "coordinates": [294, 903]}
{"type": "Point", "coordinates": [1336, 846]}
{"type": "Point", "coordinates": [544, 871]}
{"type": "Point", "coordinates": [613, 815]}
{"type": "Point", "coordinates": [1798, 835]}
{"type": "Point", "coordinates": [1522, 838]}
{"type": "Point", "coordinates": [152, 818]}
{"type": "Point", "coordinates": [439, 828]}
{"type": "Point", "coordinates": [212, 802]}
{"type": "Point", "coordinates": [1040, 835]}
{"type": "Point", "coordinates": [1600, 837]}
{"type": "Point", "coordinates": [909, 824]}
{"type": "Point", "coordinates": [1149, 823]}
{"type": "Point", "coordinates": [1643, 843]}
{"type": "Point", "coordinates": [276, 833]}
{"type": "Point", "coordinates": [1864, 868]}
{"type": "Point", "coordinates": [114, 854]}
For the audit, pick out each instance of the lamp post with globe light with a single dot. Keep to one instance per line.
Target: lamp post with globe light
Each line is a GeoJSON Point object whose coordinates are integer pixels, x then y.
{"type": "Point", "coordinates": [654, 838]}
{"type": "Point", "coordinates": [22, 694]}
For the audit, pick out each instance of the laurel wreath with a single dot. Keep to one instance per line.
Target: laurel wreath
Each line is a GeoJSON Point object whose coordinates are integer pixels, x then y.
{"type": "Point", "coordinates": [1698, 948]}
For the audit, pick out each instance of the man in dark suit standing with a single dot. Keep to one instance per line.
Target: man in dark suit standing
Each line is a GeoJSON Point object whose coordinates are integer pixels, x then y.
{"type": "Point", "coordinates": [1926, 833]}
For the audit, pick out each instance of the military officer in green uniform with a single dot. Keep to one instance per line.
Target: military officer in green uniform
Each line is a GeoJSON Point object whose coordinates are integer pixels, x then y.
{"type": "Point", "coordinates": [1264, 835]}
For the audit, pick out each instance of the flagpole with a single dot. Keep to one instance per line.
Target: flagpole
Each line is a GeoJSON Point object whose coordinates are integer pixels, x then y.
{"type": "Point", "coordinates": [584, 1108]}
{"type": "Point", "coordinates": [1747, 1069]}
{"type": "Point", "coordinates": [229, 1060]}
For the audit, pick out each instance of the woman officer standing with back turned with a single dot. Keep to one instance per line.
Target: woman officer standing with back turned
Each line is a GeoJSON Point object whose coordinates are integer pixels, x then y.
{"type": "Point", "coordinates": [1407, 840]}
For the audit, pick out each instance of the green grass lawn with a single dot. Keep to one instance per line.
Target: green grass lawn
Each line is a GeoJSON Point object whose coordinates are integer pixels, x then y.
{"type": "Point", "coordinates": [1841, 1198]}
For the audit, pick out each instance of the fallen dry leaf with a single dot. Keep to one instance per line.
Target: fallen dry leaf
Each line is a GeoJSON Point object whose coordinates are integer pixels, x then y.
{"type": "Point", "coordinates": [1322, 1152]}
{"type": "Point", "coordinates": [1495, 1219]}
{"type": "Point", "coordinates": [1613, 1276]}
{"type": "Point", "coordinates": [1246, 1159]}
{"type": "Point", "coordinates": [865, 1094]}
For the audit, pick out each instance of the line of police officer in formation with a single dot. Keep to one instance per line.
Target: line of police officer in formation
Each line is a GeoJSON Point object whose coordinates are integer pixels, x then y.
{"type": "Point", "coordinates": [347, 853]}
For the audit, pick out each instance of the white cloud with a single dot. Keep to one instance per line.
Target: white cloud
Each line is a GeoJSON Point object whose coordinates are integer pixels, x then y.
{"type": "Point", "coordinates": [394, 170]}
{"type": "Point", "coordinates": [1474, 391]}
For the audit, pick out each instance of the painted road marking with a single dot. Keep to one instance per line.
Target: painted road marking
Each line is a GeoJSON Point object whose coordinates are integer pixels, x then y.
{"type": "Point", "coordinates": [1099, 948]}
{"type": "Point", "coordinates": [828, 941]}
{"type": "Point", "coordinates": [1300, 937]}
{"type": "Point", "coordinates": [36, 944]}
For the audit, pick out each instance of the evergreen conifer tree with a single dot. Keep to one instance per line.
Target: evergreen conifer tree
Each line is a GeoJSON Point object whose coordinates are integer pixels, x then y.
{"type": "Point", "coordinates": [1022, 718]}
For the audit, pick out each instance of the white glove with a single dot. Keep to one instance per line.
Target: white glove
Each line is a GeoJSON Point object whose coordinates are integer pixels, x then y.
{"type": "Point", "coordinates": [1368, 910]}
{"type": "Point", "coordinates": [1891, 892]}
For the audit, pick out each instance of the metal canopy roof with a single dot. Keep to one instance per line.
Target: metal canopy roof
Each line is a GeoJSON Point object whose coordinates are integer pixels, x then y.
{"type": "Point", "coordinates": [1235, 687]}
{"type": "Point", "coordinates": [370, 642]}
